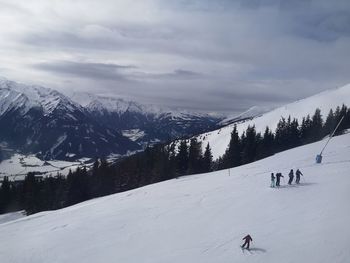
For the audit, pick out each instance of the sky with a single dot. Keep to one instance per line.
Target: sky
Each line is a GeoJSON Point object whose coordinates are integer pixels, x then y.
{"type": "Point", "coordinates": [223, 55]}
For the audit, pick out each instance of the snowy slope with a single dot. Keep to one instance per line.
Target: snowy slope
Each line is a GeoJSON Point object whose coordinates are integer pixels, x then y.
{"type": "Point", "coordinates": [219, 139]}
{"type": "Point", "coordinates": [202, 218]}
{"type": "Point", "coordinates": [252, 112]}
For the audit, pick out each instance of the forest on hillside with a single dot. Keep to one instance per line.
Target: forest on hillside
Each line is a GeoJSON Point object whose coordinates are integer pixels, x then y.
{"type": "Point", "coordinates": [163, 162]}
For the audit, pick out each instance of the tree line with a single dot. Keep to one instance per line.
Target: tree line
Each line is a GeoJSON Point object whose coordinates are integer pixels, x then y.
{"type": "Point", "coordinates": [163, 162]}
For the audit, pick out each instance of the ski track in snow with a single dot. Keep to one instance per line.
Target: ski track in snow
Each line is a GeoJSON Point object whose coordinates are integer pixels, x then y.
{"type": "Point", "coordinates": [203, 218]}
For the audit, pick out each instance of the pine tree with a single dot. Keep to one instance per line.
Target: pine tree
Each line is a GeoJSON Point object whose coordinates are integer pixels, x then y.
{"type": "Point", "coordinates": [281, 135]}
{"type": "Point", "coordinates": [194, 156]}
{"type": "Point", "coordinates": [232, 156]}
{"type": "Point", "coordinates": [5, 195]}
{"type": "Point", "coordinates": [250, 145]}
{"type": "Point", "coordinates": [294, 133]}
{"type": "Point", "coordinates": [207, 159]}
{"type": "Point", "coordinates": [1, 155]}
{"type": "Point", "coordinates": [341, 112]}
{"type": "Point", "coordinates": [329, 124]}
{"type": "Point", "coordinates": [266, 146]}
{"type": "Point", "coordinates": [31, 194]}
{"type": "Point", "coordinates": [316, 126]}
{"type": "Point", "coordinates": [107, 183]}
{"type": "Point", "coordinates": [305, 130]}
{"type": "Point", "coordinates": [182, 158]}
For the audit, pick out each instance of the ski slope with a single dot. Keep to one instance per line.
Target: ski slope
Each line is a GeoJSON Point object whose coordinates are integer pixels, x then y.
{"type": "Point", "coordinates": [330, 99]}
{"type": "Point", "coordinates": [202, 218]}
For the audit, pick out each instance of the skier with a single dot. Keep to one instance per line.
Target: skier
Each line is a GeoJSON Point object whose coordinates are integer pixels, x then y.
{"type": "Point", "coordinates": [297, 176]}
{"type": "Point", "coordinates": [272, 180]}
{"type": "Point", "coordinates": [247, 240]}
{"type": "Point", "coordinates": [291, 176]}
{"type": "Point", "coordinates": [278, 178]}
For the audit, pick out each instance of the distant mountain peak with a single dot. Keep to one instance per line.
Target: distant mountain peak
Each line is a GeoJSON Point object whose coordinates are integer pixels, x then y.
{"type": "Point", "coordinates": [28, 96]}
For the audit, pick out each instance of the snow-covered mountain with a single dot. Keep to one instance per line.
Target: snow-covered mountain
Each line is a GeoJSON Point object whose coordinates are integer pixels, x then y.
{"type": "Point", "coordinates": [47, 123]}
{"type": "Point", "coordinates": [20, 97]}
{"type": "Point", "coordinates": [152, 123]}
{"type": "Point", "coordinates": [102, 104]}
{"type": "Point", "coordinates": [202, 218]}
{"type": "Point", "coordinates": [330, 99]}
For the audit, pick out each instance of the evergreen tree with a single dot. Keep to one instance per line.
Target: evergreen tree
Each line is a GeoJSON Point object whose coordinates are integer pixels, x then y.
{"type": "Point", "coordinates": [266, 146]}
{"type": "Point", "coordinates": [305, 130]}
{"type": "Point", "coordinates": [194, 156]}
{"type": "Point", "coordinates": [1, 155]}
{"type": "Point", "coordinates": [5, 195]}
{"type": "Point", "coordinates": [250, 145]}
{"type": "Point", "coordinates": [207, 159]}
{"type": "Point", "coordinates": [329, 124]}
{"type": "Point", "coordinates": [339, 113]}
{"type": "Point", "coordinates": [316, 126]}
{"type": "Point", "coordinates": [232, 156]}
{"type": "Point", "coordinates": [182, 158]}
{"type": "Point", "coordinates": [31, 194]}
{"type": "Point", "coordinates": [347, 119]}
{"type": "Point", "coordinates": [77, 186]}
{"type": "Point", "coordinates": [106, 178]}
{"type": "Point", "coordinates": [294, 133]}
{"type": "Point", "coordinates": [281, 135]}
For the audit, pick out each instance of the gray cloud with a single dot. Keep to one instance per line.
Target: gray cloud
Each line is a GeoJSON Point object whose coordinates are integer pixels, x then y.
{"type": "Point", "coordinates": [225, 55]}
{"type": "Point", "coordinates": [86, 70]}
{"type": "Point", "coordinates": [114, 72]}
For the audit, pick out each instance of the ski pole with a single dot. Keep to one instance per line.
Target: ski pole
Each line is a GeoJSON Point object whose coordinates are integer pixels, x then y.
{"type": "Point", "coordinates": [303, 179]}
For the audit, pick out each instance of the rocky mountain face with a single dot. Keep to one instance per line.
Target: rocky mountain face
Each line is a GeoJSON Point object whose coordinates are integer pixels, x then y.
{"type": "Point", "coordinates": [148, 124]}
{"type": "Point", "coordinates": [39, 120]}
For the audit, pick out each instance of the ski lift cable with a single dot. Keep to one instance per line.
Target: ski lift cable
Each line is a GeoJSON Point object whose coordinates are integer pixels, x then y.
{"type": "Point", "coordinates": [330, 137]}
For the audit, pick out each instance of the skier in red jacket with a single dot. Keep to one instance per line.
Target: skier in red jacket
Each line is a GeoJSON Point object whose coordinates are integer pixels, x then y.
{"type": "Point", "coordinates": [247, 240]}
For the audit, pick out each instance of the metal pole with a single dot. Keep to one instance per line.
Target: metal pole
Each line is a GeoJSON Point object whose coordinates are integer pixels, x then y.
{"type": "Point", "coordinates": [330, 137]}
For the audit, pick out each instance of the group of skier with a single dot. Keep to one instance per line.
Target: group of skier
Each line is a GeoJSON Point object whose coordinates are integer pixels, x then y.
{"type": "Point", "coordinates": [276, 179]}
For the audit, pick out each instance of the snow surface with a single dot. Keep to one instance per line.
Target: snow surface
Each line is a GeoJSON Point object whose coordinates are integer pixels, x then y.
{"type": "Point", "coordinates": [252, 112]}
{"type": "Point", "coordinates": [11, 216]}
{"type": "Point", "coordinates": [19, 165]}
{"type": "Point", "coordinates": [202, 218]}
{"type": "Point", "coordinates": [133, 134]}
{"type": "Point", "coordinates": [330, 99]}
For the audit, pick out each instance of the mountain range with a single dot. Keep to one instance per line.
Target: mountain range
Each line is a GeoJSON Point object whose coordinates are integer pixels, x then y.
{"type": "Point", "coordinates": [47, 123]}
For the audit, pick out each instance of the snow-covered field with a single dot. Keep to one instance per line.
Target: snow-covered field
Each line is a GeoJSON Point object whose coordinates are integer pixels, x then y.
{"type": "Point", "coordinates": [202, 218]}
{"type": "Point", "coordinates": [19, 165]}
{"type": "Point", "coordinates": [325, 101]}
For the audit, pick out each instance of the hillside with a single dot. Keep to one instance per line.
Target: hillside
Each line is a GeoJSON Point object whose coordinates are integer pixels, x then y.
{"type": "Point", "coordinates": [330, 99]}
{"type": "Point", "coordinates": [202, 218]}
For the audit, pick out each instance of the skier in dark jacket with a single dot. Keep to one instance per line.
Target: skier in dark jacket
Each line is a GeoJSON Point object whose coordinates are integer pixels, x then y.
{"type": "Point", "coordinates": [273, 180]}
{"type": "Point", "coordinates": [247, 239]}
{"type": "Point", "coordinates": [278, 178]}
{"type": "Point", "coordinates": [291, 176]}
{"type": "Point", "coordinates": [297, 176]}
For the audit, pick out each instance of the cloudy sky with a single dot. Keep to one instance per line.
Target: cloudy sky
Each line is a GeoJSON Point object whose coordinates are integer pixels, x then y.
{"type": "Point", "coordinates": [222, 55]}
